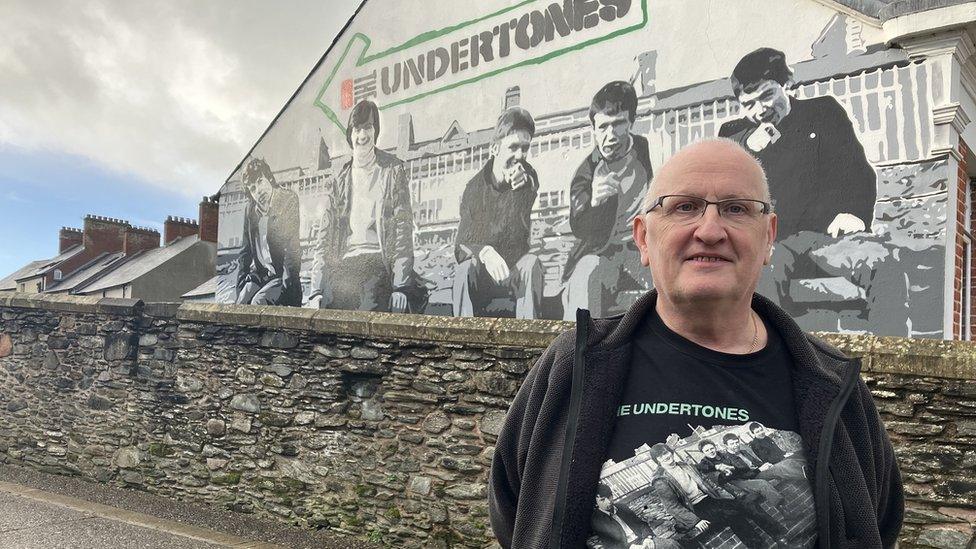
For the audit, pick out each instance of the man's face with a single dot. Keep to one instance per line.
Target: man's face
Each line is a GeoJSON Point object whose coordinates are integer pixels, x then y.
{"type": "Point", "coordinates": [765, 102]}
{"type": "Point", "coordinates": [709, 450]}
{"type": "Point", "coordinates": [666, 459]}
{"type": "Point", "coordinates": [511, 150]}
{"type": "Point", "coordinates": [732, 445]}
{"type": "Point", "coordinates": [708, 260]}
{"type": "Point", "coordinates": [260, 188]}
{"type": "Point", "coordinates": [612, 134]}
{"type": "Point", "coordinates": [758, 432]}
{"type": "Point", "coordinates": [603, 504]}
{"type": "Point", "coordinates": [363, 136]}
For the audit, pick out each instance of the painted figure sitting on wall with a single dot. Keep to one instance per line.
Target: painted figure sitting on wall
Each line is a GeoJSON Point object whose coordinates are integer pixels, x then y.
{"type": "Point", "coordinates": [492, 246]}
{"type": "Point", "coordinates": [821, 183]}
{"type": "Point", "coordinates": [605, 195]}
{"type": "Point", "coordinates": [270, 260]}
{"type": "Point", "coordinates": [363, 256]}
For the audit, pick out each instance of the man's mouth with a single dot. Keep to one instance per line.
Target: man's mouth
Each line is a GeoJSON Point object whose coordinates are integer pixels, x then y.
{"type": "Point", "coordinates": [707, 258]}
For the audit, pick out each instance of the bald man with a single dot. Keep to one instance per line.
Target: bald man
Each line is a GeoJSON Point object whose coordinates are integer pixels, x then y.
{"type": "Point", "coordinates": [606, 401]}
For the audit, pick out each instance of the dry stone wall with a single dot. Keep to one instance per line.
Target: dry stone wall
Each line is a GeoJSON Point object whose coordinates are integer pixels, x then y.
{"type": "Point", "coordinates": [372, 424]}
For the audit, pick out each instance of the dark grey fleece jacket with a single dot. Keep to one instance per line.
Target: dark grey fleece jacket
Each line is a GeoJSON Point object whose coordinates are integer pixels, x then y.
{"type": "Point", "coordinates": [549, 454]}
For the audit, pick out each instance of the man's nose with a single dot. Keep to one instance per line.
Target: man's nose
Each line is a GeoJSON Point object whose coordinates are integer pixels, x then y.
{"type": "Point", "coordinates": [711, 227]}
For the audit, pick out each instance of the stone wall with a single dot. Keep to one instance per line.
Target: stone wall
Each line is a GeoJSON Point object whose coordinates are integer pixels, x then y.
{"type": "Point", "coordinates": [373, 424]}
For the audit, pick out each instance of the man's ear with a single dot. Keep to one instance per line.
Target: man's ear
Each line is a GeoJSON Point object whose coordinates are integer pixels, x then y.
{"type": "Point", "coordinates": [773, 226]}
{"type": "Point", "coordinates": [493, 148]}
{"type": "Point", "coordinates": [640, 238]}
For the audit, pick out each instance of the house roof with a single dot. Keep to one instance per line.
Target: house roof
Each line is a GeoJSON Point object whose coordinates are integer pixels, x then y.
{"type": "Point", "coordinates": [889, 9]}
{"type": "Point", "coordinates": [140, 264]}
{"type": "Point", "coordinates": [207, 288]}
{"type": "Point", "coordinates": [52, 263]}
{"type": "Point", "coordinates": [87, 272]}
{"type": "Point", "coordinates": [9, 282]}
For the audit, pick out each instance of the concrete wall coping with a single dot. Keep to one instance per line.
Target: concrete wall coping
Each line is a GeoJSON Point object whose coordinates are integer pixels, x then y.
{"type": "Point", "coordinates": [72, 303]}
{"type": "Point", "coordinates": [881, 354]}
{"type": "Point", "coordinates": [478, 331]}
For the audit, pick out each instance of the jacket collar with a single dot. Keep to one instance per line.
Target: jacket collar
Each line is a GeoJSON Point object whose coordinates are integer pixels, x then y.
{"type": "Point", "coordinates": [809, 360]}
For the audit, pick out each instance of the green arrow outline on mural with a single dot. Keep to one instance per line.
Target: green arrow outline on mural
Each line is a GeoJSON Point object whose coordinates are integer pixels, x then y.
{"type": "Point", "coordinates": [430, 35]}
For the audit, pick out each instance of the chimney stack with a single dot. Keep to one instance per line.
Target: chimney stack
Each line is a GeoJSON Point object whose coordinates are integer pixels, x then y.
{"type": "Point", "coordinates": [103, 234]}
{"type": "Point", "coordinates": [138, 239]}
{"type": "Point", "coordinates": [209, 210]}
{"type": "Point", "coordinates": [69, 237]}
{"type": "Point", "coordinates": [513, 96]}
{"type": "Point", "coordinates": [178, 227]}
{"type": "Point", "coordinates": [405, 137]}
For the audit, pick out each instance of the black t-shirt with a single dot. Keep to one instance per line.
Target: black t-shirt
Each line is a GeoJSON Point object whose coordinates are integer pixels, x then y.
{"type": "Point", "coordinates": [724, 430]}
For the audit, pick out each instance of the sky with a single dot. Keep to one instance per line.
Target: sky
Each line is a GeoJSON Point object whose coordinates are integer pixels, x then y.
{"type": "Point", "coordinates": [136, 109]}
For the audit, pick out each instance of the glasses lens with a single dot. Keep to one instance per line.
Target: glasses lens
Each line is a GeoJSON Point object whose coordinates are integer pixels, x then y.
{"type": "Point", "coordinates": [682, 208]}
{"type": "Point", "coordinates": [740, 209]}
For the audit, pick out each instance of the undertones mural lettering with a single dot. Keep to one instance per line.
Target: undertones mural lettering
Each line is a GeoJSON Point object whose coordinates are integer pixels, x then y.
{"type": "Point", "coordinates": [528, 33]}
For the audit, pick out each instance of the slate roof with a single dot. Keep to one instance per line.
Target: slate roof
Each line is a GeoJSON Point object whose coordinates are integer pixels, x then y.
{"type": "Point", "coordinates": [9, 282]}
{"type": "Point", "coordinates": [208, 288]}
{"type": "Point", "coordinates": [52, 263]}
{"type": "Point", "coordinates": [140, 264]}
{"type": "Point", "coordinates": [889, 9]}
{"type": "Point", "coordinates": [87, 272]}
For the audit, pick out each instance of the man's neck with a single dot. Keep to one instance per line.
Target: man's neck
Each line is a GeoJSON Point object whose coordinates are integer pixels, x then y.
{"type": "Point", "coordinates": [724, 327]}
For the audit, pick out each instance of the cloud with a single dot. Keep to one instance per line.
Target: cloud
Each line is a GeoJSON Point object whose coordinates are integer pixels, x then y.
{"type": "Point", "coordinates": [174, 93]}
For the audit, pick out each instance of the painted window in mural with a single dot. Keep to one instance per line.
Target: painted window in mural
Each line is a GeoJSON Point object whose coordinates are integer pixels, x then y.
{"type": "Point", "coordinates": [491, 164]}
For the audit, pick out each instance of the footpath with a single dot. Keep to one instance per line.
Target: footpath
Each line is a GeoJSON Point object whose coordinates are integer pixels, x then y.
{"type": "Point", "coordinates": [39, 510]}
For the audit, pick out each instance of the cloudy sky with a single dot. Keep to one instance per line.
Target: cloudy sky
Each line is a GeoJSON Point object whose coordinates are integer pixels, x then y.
{"type": "Point", "coordinates": [134, 108]}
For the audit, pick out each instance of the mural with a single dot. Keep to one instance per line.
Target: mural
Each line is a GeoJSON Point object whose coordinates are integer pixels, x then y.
{"type": "Point", "coordinates": [492, 164]}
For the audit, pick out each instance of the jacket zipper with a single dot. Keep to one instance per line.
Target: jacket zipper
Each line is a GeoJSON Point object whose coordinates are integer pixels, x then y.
{"type": "Point", "coordinates": [826, 444]}
{"type": "Point", "coordinates": [575, 401]}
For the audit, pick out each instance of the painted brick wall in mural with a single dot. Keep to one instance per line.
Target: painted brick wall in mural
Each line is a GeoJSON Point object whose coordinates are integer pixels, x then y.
{"type": "Point", "coordinates": [488, 158]}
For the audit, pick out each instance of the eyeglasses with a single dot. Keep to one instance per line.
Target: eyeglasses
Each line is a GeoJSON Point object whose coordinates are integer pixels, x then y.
{"type": "Point", "coordinates": [686, 209]}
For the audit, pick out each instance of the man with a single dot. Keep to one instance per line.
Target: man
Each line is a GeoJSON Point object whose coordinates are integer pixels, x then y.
{"type": "Point", "coordinates": [764, 447]}
{"type": "Point", "coordinates": [701, 345]}
{"type": "Point", "coordinates": [701, 506]}
{"type": "Point", "coordinates": [819, 178]}
{"type": "Point", "coordinates": [271, 257]}
{"type": "Point", "coordinates": [774, 462]}
{"type": "Point", "coordinates": [625, 525]}
{"type": "Point", "coordinates": [737, 475]}
{"type": "Point", "coordinates": [492, 246]}
{"type": "Point", "coordinates": [744, 472]}
{"type": "Point", "coordinates": [604, 197]}
{"type": "Point", "coordinates": [363, 257]}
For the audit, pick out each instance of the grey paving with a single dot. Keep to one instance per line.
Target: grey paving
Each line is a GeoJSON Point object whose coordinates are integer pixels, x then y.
{"type": "Point", "coordinates": [27, 524]}
{"type": "Point", "coordinates": [227, 528]}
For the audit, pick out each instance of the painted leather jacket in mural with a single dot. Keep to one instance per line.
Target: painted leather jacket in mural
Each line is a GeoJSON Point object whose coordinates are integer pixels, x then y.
{"type": "Point", "coordinates": [284, 247]}
{"type": "Point", "coordinates": [394, 226]}
{"type": "Point", "coordinates": [593, 225]}
{"type": "Point", "coordinates": [816, 169]}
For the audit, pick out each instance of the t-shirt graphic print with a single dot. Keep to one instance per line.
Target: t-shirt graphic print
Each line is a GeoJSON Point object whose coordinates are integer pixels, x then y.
{"type": "Point", "coordinates": [705, 452]}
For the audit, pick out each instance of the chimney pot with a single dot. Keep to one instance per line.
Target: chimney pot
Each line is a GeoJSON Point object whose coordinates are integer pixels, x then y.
{"type": "Point", "coordinates": [177, 227]}
{"type": "Point", "coordinates": [68, 238]}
